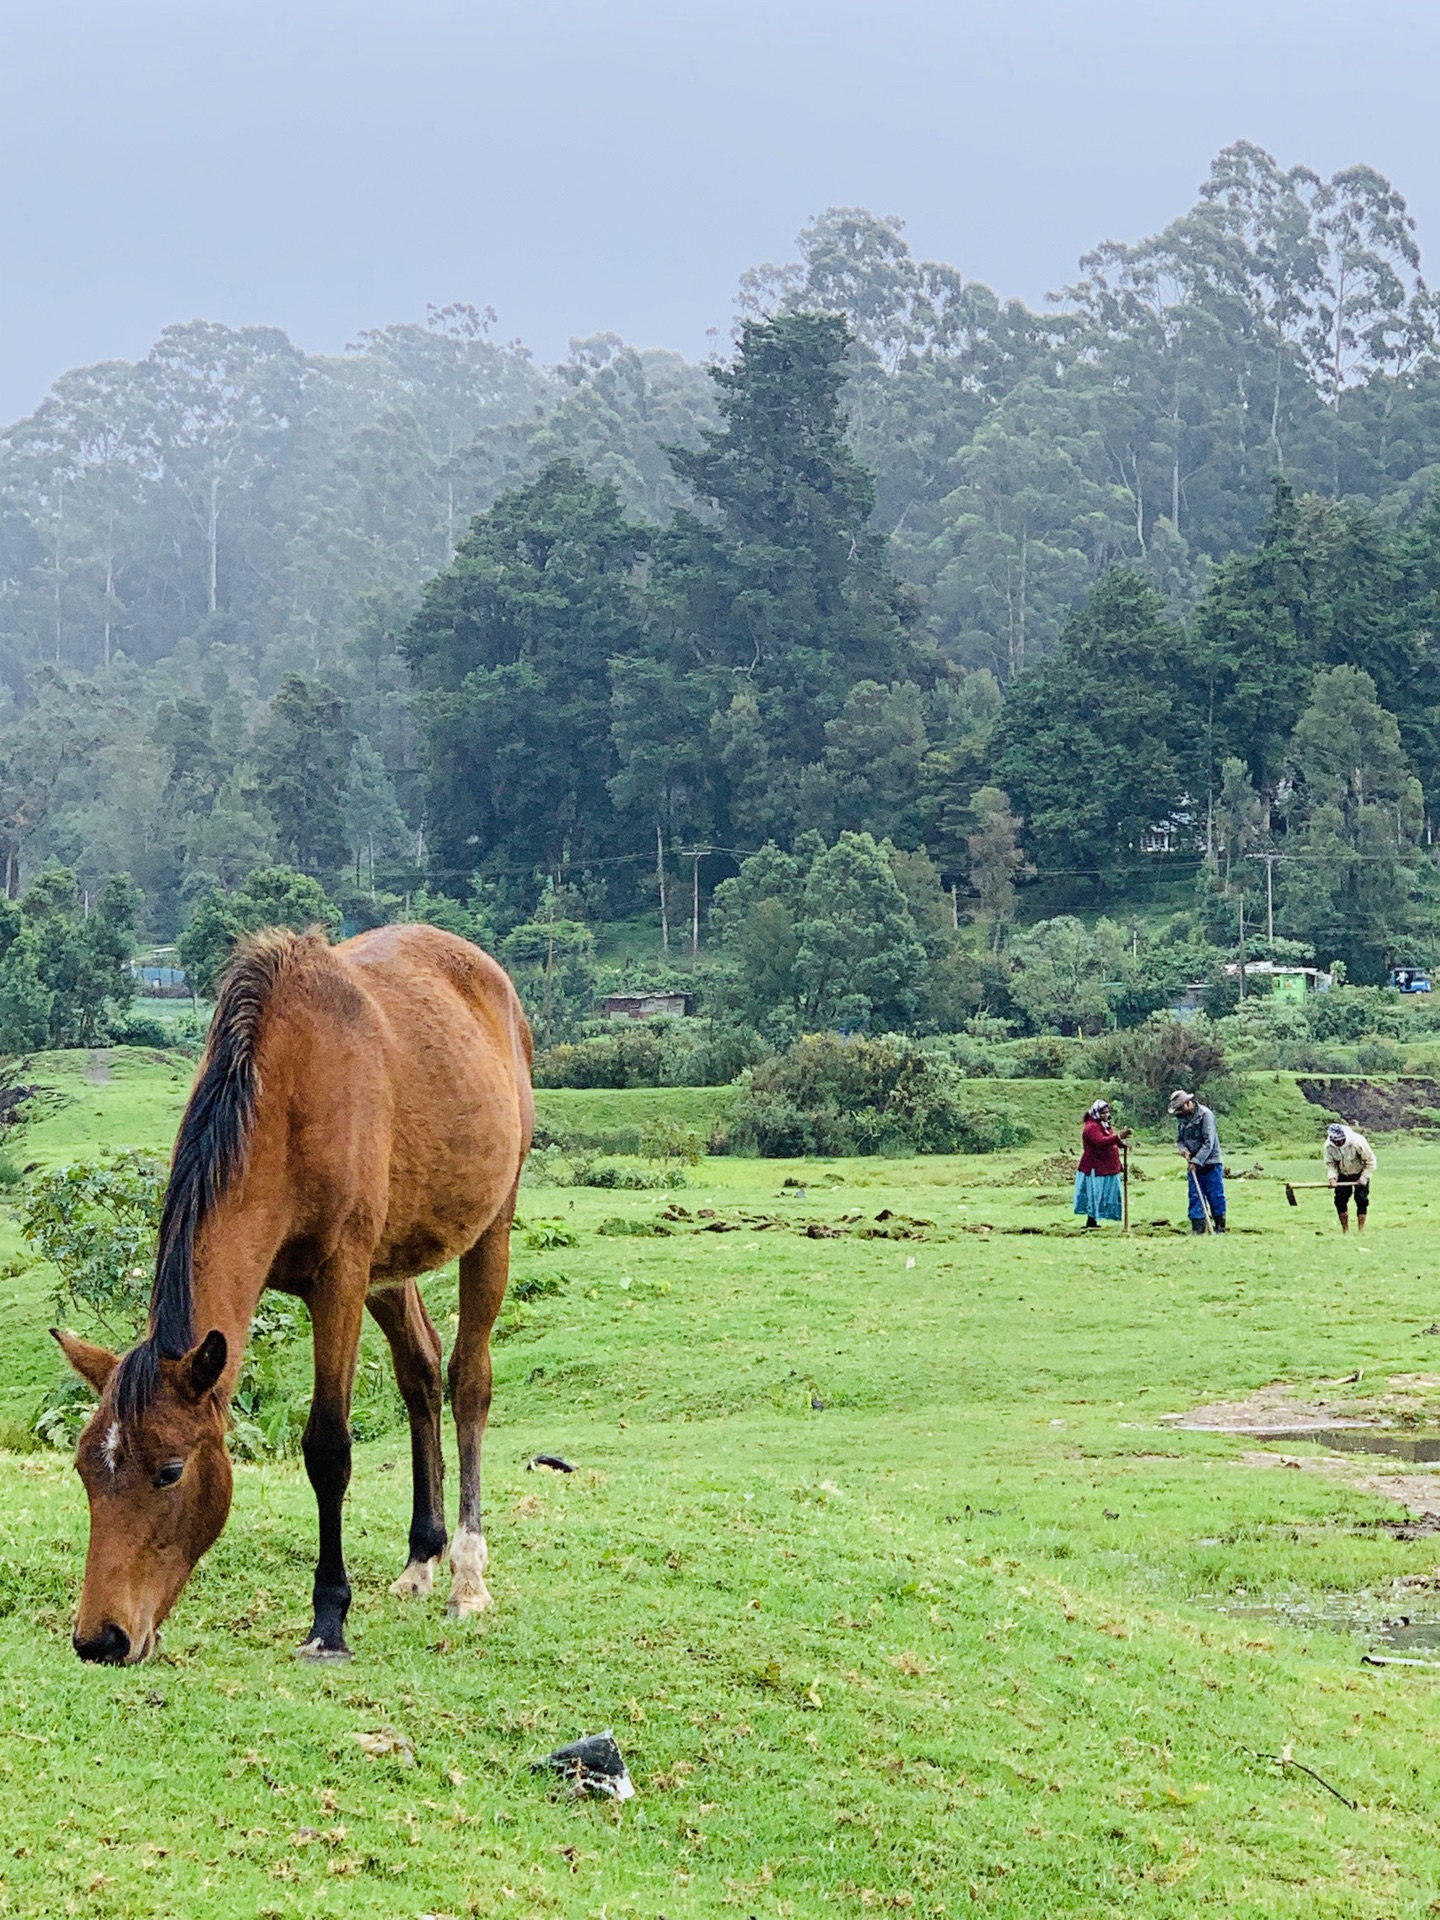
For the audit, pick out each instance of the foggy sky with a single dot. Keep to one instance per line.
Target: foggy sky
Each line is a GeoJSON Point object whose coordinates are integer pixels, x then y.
{"type": "Point", "coordinates": [584, 165]}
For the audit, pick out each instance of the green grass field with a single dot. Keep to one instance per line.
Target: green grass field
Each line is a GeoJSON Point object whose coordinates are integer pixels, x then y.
{"type": "Point", "coordinates": [949, 1640]}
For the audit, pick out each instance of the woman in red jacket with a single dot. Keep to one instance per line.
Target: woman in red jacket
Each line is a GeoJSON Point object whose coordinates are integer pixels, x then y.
{"type": "Point", "coordinates": [1097, 1180]}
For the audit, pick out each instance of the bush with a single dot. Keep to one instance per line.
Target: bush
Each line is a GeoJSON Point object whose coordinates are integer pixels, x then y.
{"type": "Point", "coordinates": [1165, 1054]}
{"type": "Point", "coordinates": [632, 1056]}
{"type": "Point", "coordinates": [650, 1053]}
{"type": "Point", "coordinates": [1379, 1056]}
{"type": "Point", "coordinates": [96, 1222]}
{"type": "Point", "coordinates": [831, 1095]}
{"type": "Point", "coordinates": [1040, 1060]}
{"type": "Point", "coordinates": [1355, 1013]}
{"type": "Point", "coordinates": [142, 1030]}
{"type": "Point", "coordinates": [667, 1139]}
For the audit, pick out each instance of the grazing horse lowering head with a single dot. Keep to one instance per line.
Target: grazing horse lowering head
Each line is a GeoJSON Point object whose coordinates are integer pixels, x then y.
{"type": "Point", "coordinates": [158, 1480]}
{"type": "Point", "coordinates": [153, 1457]}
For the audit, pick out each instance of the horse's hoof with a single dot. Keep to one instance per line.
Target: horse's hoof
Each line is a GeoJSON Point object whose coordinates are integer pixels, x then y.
{"type": "Point", "coordinates": [415, 1582]}
{"type": "Point", "coordinates": [318, 1650]}
{"type": "Point", "coordinates": [474, 1599]}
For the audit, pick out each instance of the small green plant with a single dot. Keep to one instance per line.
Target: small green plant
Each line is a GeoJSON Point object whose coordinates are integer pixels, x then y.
{"type": "Point", "coordinates": [95, 1221]}
{"type": "Point", "coordinates": [538, 1285]}
{"type": "Point", "coordinates": [266, 1418]}
{"type": "Point", "coordinates": [541, 1236]}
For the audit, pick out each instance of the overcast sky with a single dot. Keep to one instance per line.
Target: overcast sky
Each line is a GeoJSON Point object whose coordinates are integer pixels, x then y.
{"type": "Point", "coordinates": [614, 164]}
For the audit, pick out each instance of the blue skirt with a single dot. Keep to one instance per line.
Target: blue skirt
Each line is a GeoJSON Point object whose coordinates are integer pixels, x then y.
{"type": "Point", "coordinates": [1097, 1196]}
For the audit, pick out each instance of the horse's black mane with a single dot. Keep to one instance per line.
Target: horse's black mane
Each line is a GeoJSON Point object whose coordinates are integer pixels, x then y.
{"type": "Point", "coordinates": [209, 1151]}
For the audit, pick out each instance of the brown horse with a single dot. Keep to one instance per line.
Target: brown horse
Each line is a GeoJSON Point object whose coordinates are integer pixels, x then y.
{"type": "Point", "coordinates": [360, 1116]}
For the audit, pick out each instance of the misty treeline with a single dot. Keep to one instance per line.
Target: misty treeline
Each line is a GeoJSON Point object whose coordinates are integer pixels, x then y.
{"type": "Point", "coordinates": [1012, 588]}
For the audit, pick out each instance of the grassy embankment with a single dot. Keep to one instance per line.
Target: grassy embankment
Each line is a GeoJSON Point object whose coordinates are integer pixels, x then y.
{"type": "Point", "coordinates": [947, 1642]}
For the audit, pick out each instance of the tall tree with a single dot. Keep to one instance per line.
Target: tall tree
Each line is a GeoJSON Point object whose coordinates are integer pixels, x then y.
{"type": "Point", "coordinates": [511, 651]}
{"type": "Point", "coordinates": [303, 757]}
{"type": "Point", "coordinates": [1098, 743]}
{"type": "Point", "coordinates": [782, 600]}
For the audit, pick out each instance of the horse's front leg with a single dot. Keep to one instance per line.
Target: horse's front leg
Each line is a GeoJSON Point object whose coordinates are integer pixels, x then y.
{"type": "Point", "coordinates": [484, 1271]}
{"type": "Point", "coordinates": [337, 1307]}
{"type": "Point", "coordinates": [415, 1348]}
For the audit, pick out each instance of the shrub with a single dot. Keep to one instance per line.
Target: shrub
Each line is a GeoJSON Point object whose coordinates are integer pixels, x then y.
{"type": "Point", "coordinates": [96, 1222]}
{"type": "Point", "coordinates": [650, 1053]}
{"type": "Point", "coordinates": [1165, 1054]}
{"type": "Point", "coordinates": [831, 1095]}
{"type": "Point", "coordinates": [1355, 1013]}
{"type": "Point", "coordinates": [1040, 1060]}
{"type": "Point", "coordinates": [1379, 1056]}
{"type": "Point", "coordinates": [142, 1030]}
{"type": "Point", "coordinates": [664, 1138]}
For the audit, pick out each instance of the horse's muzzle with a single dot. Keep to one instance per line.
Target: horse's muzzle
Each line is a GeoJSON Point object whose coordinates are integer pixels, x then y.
{"type": "Point", "coordinates": [110, 1647]}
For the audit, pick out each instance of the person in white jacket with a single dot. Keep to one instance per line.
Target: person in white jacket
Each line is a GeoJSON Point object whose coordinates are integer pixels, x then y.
{"type": "Point", "coordinates": [1349, 1163]}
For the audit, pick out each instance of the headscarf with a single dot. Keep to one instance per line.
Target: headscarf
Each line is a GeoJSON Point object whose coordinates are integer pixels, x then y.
{"type": "Point", "coordinates": [1099, 1111]}
{"type": "Point", "coordinates": [1337, 1133]}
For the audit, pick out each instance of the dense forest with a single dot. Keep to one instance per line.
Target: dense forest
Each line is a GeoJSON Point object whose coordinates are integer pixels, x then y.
{"type": "Point", "coordinates": [917, 636]}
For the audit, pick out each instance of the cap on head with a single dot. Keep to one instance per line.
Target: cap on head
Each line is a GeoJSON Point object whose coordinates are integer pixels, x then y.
{"type": "Point", "coordinates": [1180, 1099]}
{"type": "Point", "coordinates": [1336, 1133]}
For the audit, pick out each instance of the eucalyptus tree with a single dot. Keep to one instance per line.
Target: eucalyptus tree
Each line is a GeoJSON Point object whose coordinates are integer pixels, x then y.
{"type": "Point", "coordinates": [223, 399]}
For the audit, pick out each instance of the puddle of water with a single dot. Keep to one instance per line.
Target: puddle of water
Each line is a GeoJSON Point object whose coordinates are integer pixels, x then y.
{"type": "Point", "coordinates": [1401, 1631]}
{"type": "Point", "coordinates": [1420, 1449]}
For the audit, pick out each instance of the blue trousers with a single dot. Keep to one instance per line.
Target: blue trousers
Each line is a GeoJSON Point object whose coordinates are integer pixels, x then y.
{"type": "Point", "coordinates": [1211, 1182]}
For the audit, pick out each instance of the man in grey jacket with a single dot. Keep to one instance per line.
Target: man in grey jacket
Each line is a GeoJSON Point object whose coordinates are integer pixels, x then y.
{"type": "Point", "coordinates": [1198, 1140]}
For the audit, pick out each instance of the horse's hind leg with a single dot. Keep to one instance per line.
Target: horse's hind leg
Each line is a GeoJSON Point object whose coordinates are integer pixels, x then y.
{"type": "Point", "coordinates": [400, 1314]}
{"type": "Point", "coordinates": [484, 1271]}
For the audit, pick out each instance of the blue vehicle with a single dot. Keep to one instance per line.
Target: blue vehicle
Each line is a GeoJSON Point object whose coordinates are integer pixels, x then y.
{"type": "Point", "coordinates": [1410, 979]}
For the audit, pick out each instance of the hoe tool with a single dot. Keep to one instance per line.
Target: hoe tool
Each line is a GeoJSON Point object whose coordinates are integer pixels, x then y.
{"type": "Point", "coordinates": [1292, 1187]}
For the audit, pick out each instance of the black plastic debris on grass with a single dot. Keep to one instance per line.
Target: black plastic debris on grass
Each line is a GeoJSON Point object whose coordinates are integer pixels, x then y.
{"type": "Point", "coordinates": [550, 1462]}
{"type": "Point", "coordinates": [592, 1765]}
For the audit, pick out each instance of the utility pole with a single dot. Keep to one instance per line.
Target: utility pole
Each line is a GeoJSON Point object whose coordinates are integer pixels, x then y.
{"type": "Point", "coordinates": [1242, 946]}
{"type": "Point", "coordinates": [694, 855]}
{"type": "Point", "coordinates": [1269, 857]}
{"type": "Point", "coordinates": [660, 875]}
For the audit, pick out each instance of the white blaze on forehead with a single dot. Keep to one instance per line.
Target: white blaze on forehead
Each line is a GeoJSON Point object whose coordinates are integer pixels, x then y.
{"type": "Point", "coordinates": [110, 1447]}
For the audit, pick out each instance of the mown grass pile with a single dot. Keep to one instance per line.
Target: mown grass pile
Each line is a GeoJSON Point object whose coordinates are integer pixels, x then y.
{"type": "Point", "coordinates": [898, 1591]}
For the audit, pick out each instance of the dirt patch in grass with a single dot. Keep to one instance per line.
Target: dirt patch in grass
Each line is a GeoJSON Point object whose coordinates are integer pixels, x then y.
{"type": "Point", "coordinates": [1418, 1492]}
{"type": "Point", "coordinates": [1390, 1106]}
{"type": "Point", "coordinates": [1402, 1401]}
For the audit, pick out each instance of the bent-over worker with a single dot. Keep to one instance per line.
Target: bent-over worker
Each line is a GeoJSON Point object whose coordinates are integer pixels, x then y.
{"type": "Point", "coordinates": [1349, 1163]}
{"type": "Point", "coordinates": [1198, 1139]}
{"type": "Point", "coordinates": [1097, 1179]}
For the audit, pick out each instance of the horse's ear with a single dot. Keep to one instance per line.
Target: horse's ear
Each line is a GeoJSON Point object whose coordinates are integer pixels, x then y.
{"type": "Point", "coordinates": [204, 1364]}
{"type": "Point", "coordinates": [92, 1363]}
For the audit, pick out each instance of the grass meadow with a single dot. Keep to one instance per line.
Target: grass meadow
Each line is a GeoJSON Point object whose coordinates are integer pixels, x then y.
{"type": "Point", "coordinates": [880, 1558]}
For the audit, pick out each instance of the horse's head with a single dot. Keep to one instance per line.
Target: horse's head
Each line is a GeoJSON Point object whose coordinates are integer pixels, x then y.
{"type": "Point", "coordinates": [159, 1485]}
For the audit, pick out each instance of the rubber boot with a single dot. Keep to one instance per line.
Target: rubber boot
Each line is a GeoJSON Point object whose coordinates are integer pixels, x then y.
{"type": "Point", "coordinates": [1197, 1226]}
{"type": "Point", "coordinates": [1219, 1223]}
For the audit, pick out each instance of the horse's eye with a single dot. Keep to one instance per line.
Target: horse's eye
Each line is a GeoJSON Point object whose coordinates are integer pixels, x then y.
{"type": "Point", "coordinates": [169, 1473]}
